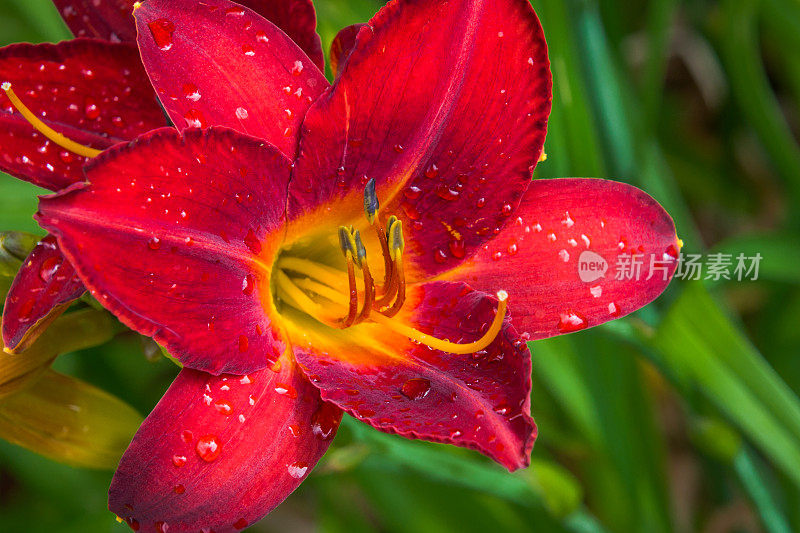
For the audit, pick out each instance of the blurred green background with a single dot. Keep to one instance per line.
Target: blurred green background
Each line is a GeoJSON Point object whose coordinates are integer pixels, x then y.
{"type": "Point", "coordinates": [682, 417]}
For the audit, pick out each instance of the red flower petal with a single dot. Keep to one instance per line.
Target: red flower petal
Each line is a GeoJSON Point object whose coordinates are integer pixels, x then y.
{"type": "Point", "coordinates": [224, 65]}
{"type": "Point", "coordinates": [297, 19]}
{"type": "Point", "coordinates": [176, 236]}
{"type": "Point", "coordinates": [94, 92]}
{"type": "Point", "coordinates": [218, 453]}
{"type": "Point", "coordinates": [445, 105]}
{"type": "Point", "coordinates": [479, 401]}
{"type": "Point", "coordinates": [566, 222]}
{"type": "Point", "coordinates": [44, 287]}
{"type": "Point", "coordinates": [342, 45]}
{"type": "Point", "coordinates": [112, 20]}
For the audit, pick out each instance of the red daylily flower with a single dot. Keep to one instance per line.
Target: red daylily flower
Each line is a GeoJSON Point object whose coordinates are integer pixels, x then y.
{"type": "Point", "coordinates": [95, 91]}
{"type": "Point", "coordinates": [256, 252]}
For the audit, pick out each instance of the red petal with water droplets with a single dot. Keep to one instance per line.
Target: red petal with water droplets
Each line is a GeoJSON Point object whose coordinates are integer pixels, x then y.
{"type": "Point", "coordinates": [176, 236]}
{"type": "Point", "coordinates": [220, 64]}
{"type": "Point", "coordinates": [479, 401]}
{"type": "Point", "coordinates": [298, 19]}
{"type": "Point", "coordinates": [219, 453]}
{"type": "Point", "coordinates": [445, 105]}
{"type": "Point", "coordinates": [342, 45]}
{"type": "Point", "coordinates": [94, 92]}
{"type": "Point", "coordinates": [43, 288]}
{"type": "Point", "coordinates": [551, 258]}
{"type": "Point", "coordinates": [110, 20]}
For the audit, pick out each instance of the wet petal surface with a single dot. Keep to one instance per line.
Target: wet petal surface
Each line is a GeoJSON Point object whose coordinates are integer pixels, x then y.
{"type": "Point", "coordinates": [569, 242]}
{"type": "Point", "coordinates": [43, 288]}
{"type": "Point", "coordinates": [218, 453]}
{"type": "Point", "coordinates": [217, 63]}
{"type": "Point", "coordinates": [445, 105]}
{"type": "Point", "coordinates": [479, 401]}
{"type": "Point", "coordinates": [95, 93]}
{"type": "Point", "coordinates": [176, 236]}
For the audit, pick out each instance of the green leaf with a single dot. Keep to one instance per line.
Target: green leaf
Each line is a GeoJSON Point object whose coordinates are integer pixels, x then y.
{"type": "Point", "coordinates": [701, 344]}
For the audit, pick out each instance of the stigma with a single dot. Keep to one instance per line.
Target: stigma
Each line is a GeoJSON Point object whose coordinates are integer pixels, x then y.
{"type": "Point", "coordinates": [317, 290]}
{"type": "Point", "coordinates": [44, 129]}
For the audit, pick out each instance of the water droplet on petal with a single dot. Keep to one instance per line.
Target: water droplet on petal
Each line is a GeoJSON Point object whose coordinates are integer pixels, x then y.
{"type": "Point", "coordinates": [240, 524]}
{"type": "Point", "coordinates": [285, 390]}
{"type": "Point", "coordinates": [297, 469]}
{"type": "Point", "coordinates": [208, 448]}
{"type": "Point", "coordinates": [154, 243]}
{"type": "Point", "coordinates": [179, 489]}
{"type": "Point", "coordinates": [252, 242]}
{"type": "Point", "coordinates": [49, 268]}
{"type": "Point", "coordinates": [243, 343]}
{"type": "Point", "coordinates": [325, 420]}
{"type": "Point", "coordinates": [416, 388]}
{"type": "Point", "coordinates": [571, 321]}
{"type": "Point", "coordinates": [613, 309]}
{"type": "Point", "coordinates": [162, 30]}
{"type": "Point", "coordinates": [191, 92]}
{"type": "Point", "coordinates": [178, 460]}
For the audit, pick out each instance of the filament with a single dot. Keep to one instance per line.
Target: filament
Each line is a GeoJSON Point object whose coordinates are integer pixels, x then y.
{"type": "Point", "coordinates": [44, 129]}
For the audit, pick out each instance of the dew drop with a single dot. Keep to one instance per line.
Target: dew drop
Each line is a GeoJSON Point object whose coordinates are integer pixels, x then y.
{"type": "Point", "coordinates": [208, 448]}
{"type": "Point", "coordinates": [613, 309]}
{"type": "Point", "coordinates": [240, 524]}
{"type": "Point", "coordinates": [162, 30]}
{"type": "Point", "coordinates": [297, 469]}
{"type": "Point", "coordinates": [49, 268]}
{"type": "Point", "coordinates": [243, 343]}
{"type": "Point", "coordinates": [248, 284]}
{"type": "Point", "coordinates": [195, 119]}
{"type": "Point", "coordinates": [563, 255]}
{"type": "Point", "coordinates": [261, 36]}
{"type": "Point", "coordinates": [248, 50]}
{"type": "Point", "coordinates": [241, 113]}
{"type": "Point", "coordinates": [325, 420]}
{"type": "Point", "coordinates": [457, 248]}
{"type": "Point", "coordinates": [596, 291]}
{"type": "Point", "coordinates": [178, 460]}
{"type": "Point", "coordinates": [571, 321]}
{"type": "Point", "coordinates": [297, 68]}
{"type": "Point", "coordinates": [179, 489]}
{"type": "Point", "coordinates": [432, 171]}
{"type": "Point", "coordinates": [154, 243]}
{"type": "Point", "coordinates": [416, 388]}
{"type": "Point", "coordinates": [191, 92]}
{"type": "Point", "coordinates": [285, 390]}
{"type": "Point", "coordinates": [252, 242]}
{"type": "Point", "coordinates": [90, 109]}
{"type": "Point", "coordinates": [223, 408]}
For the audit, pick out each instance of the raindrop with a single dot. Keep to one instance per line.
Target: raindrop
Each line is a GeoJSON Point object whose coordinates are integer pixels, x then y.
{"type": "Point", "coordinates": [241, 113]}
{"type": "Point", "coordinates": [154, 243]}
{"type": "Point", "coordinates": [416, 388]}
{"type": "Point", "coordinates": [613, 309]}
{"type": "Point", "coordinates": [162, 30]}
{"type": "Point", "coordinates": [179, 489]}
{"type": "Point", "coordinates": [191, 92]}
{"type": "Point", "coordinates": [285, 390]}
{"type": "Point", "coordinates": [571, 321]}
{"type": "Point", "coordinates": [248, 50]}
{"type": "Point", "coordinates": [297, 69]}
{"type": "Point", "coordinates": [297, 469]}
{"type": "Point", "coordinates": [178, 460]}
{"type": "Point", "coordinates": [195, 119]}
{"type": "Point", "coordinates": [248, 284]}
{"type": "Point", "coordinates": [252, 242]}
{"type": "Point", "coordinates": [240, 524]}
{"type": "Point", "coordinates": [208, 448]}
{"type": "Point", "coordinates": [49, 268]}
{"type": "Point", "coordinates": [325, 420]}
{"type": "Point", "coordinates": [224, 408]}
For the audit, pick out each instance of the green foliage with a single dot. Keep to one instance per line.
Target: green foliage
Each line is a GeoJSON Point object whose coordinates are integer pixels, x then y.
{"type": "Point", "coordinates": [662, 421]}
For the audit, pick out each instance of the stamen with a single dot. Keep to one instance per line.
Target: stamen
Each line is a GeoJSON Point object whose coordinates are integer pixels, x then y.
{"type": "Point", "coordinates": [346, 244]}
{"type": "Point", "coordinates": [437, 344]}
{"type": "Point", "coordinates": [328, 275]}
{"type": "Point", "coordinates": [447, 346]}
{"type": "Point", "coordinates": [396, 247]}
{"type": "Point", "coordinates": [389, 280]}
{"type": "Point", "coordinates": [369, 285]}
{"type": "Point", "coordinates": [298, 299]}
{"type": "Point", "coordinates": [371, 204]}
{"type": "Point", "coordinates": [44, 129]}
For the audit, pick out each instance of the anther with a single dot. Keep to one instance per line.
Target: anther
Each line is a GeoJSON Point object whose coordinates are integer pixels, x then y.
{"type": "Point", "coordinates": [347, 243]}
{"type": "Point", "coordinates": [369, 285]}
{"type": "Point", "coordinates": [371, 204]}
{"type": "Point", "coordinates": [44, 129]}
{"type": "Point", "coordinates": [396, 247]}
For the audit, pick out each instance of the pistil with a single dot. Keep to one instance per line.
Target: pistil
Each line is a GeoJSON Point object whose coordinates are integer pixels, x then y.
{"type": "Point", "coordinates": [44, 129]}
